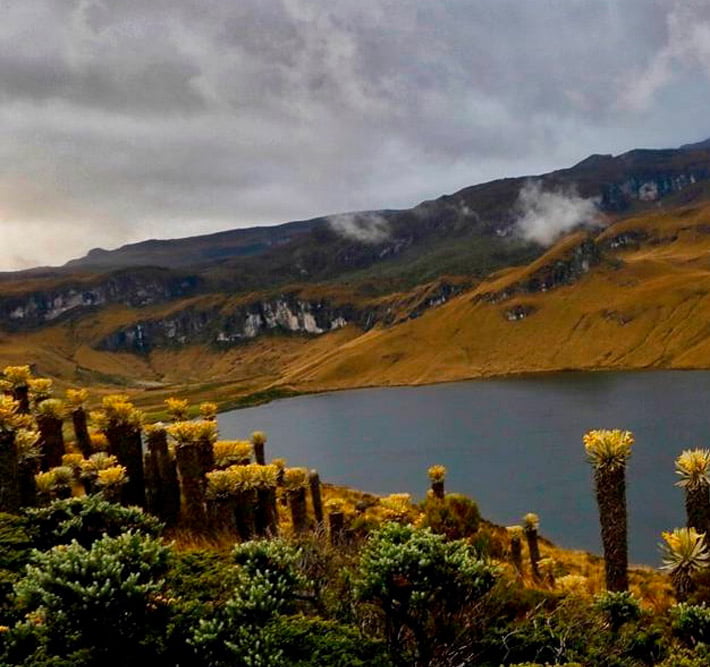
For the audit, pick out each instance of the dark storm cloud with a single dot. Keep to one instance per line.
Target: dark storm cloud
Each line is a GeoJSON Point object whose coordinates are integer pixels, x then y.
{"type": "Point", "coordinates": [126, 119]}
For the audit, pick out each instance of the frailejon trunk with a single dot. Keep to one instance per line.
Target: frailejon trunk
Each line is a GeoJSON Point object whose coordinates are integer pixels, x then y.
{"type": "Point", "coordinates": [265, 513]}
{"type": "Point", "coordinates": [192, 486]}
{"type": "Point", "coordinates": [534, 550]}
{"type": "Point", "coordinates": [244, 514]}
{"type": "Point", "coordinates": [336, 525]}
{"type": "Point", "coordinates": [314, 484]}
{"type": "Point", "coordinates": [516, 554]}
{"type": "Point", "coordinates": [222, 515]}
{"type": "Point", "coordinates": [697, 508]}
{"type": "Point", "coordinates": [51, 441]}
{"type": "Point", "coordinates": [259, 454]}
{"type": "Point", "coordinates": [299, 514]}
{"type": "Point", "coordinates": [9, 474]}
{"type": "Point", "coordinates": [22, 396]}
{"type": "Point", "coordinates": [167, 489]}
{"type": "Point", "coordinates": [611, 498]}
{"type": "Point", "coordinates": [81, 432]}
{"type": "Point", "coordinates": [28, 487]}
{"type": "Point", "coordinates": [126, 445]}
{"type": "Point", "coordinates": [152, 484]}
{"type": "Point", "coordinates": [206, 455]}
{"type": "Point", "coordinates": [437, 489]}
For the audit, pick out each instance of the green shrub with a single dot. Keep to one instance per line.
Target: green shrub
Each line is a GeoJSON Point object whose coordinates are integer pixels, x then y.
{"type": "Point", "coordinates": [243, 631]}
{"type": "Point", "coordinates": [100, 602]}
{"type": "Point", "coordinates": [619, 607]}
{"type": "Point", "coordinates": [15, 548]}
{"type": "Point", "coordinates": [307, 641]}
{"type": "Point", "coordinates": [455, 516]}
{"type": "Point", "coordinates": [691, 623]}
{"type": "Point", "coordinates": [420, 581]}
{"type": "Point", "coordinates": [85, 520]}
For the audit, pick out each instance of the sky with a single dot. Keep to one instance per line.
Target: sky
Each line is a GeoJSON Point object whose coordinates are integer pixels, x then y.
{"type": "Point", "coordinates": [124, 120]}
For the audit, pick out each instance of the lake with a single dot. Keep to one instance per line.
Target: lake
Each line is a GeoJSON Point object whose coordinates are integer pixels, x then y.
{"type": "Point", "coordinates": [512, 444]}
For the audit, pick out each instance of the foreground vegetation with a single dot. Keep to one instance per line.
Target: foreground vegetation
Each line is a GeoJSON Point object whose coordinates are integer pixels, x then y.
{"type": "Point", "coordinates": [125, 543]}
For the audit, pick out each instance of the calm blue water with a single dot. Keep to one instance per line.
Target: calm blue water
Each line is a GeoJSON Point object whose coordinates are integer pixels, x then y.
{"type": "Point", "coordinates": [515, 444]}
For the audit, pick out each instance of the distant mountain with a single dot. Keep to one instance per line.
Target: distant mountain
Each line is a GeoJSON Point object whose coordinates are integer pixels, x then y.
{"type": "Point", "coordinates": [465, 232]}
{"type": "Point", "coordinates": [251, 305]}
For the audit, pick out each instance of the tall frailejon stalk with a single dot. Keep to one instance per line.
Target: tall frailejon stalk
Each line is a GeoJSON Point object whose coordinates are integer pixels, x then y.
{"type": "Point", "coordinates": [316, 500]}
{"type": "Point", "coordinates": [121, 424]}
{"type": "Point", "coordinates": [336, 521]}
{"type": "Point", "coordinates": [50, 422]}
{"type": "Point", "coordinates": [76, 401]}
{"type": "Point", "coordinates": [296, 481]}
{"type": "Point", "coordinates": [608, 451]}
{"type": "Point", "coordinates": [693, 466]}
{"type": "Point", "coordinates": [437, 477]}
{"type": "Point", "coordinates": [516, 547]}
{"type": "Point", "coordinates": [258, 440]}
{"type": "Point", "coordinates": [684, 554]}
{"type": "Point", "coordinates": [531, 526]}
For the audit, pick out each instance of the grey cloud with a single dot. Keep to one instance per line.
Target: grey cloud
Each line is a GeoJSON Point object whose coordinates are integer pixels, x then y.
{"type": "Point", "coordinates": [544, 216]}
{"type": "Point", "coordinates": [126, 119]}
{"type": "Point", "coordinates": [363, 227]}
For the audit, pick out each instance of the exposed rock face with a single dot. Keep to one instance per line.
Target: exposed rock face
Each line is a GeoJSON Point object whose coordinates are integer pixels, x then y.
{"type": "Point", "coordinates": [649, 187]}
{"type": "Point", "coordinates": [550, 276]}
{"type": "Point", "coordinates": [287, 313]}
{"type": "Point", "coordinates": [24, 311]}
{"type": "Point", "coordinates": [284, 314]}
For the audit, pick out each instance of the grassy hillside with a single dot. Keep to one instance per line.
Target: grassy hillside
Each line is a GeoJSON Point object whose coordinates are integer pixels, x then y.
{"type": "Point", "coordinates": [645, 303]}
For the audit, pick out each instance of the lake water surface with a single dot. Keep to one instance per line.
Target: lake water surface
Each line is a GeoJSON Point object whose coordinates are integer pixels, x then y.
{"type": "Point", "coordinates": [513, 444]}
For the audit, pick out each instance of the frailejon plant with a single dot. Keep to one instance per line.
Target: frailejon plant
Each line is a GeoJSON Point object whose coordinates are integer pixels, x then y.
{"type": "Point", "coordinates": [221, 499]}
{"type": "Point", "coordinates": [29, 457]}
{"type": "Point", "coordinates": [437, 476]}
{"type": "Point", "coordinates": [40, 389]}
{"type": "Point", "coordinates": [76, 401]}
{"type": "Point", "coordinates": [176, 409]}
{"type": "Point", "coordinates": [693, 466]}
{"type": "Point", "coordinates": [100, 601]}
{"type": "Point", "coordinates": [258, 440]}
{"type": "Point", "coordinates": [244, 501]}
{"type": "Point", "coordinates": [515, 533]}
{"type": "Point", "coordinates": [421, 582]}
{"type": "Point", "coordinates": [608, 451]}
{"type": "Point", "coordinates": [684, 554]}
{"type": "Point", "coordinates": [231, 452]}
{"type": "Point", "coordinates": [208, 410]}
{"type": "Point", "coordinates": [188, 438]}
{"type": "Point", "coordinates": [17, 379]}
{"type": "Point", "coordinates": [89, 469]}
{"type": "Point", "coordinates": [121, 423]}
{"type": "Point", "coordinates": [50, 422]}
{"type": "Point", "coordinates": [110, 482]}
{"type": "Point", "coordinates": [336, 521]}
{"type": "Point", "coordinates": [531, 526]}
{"type": "Point", "coordinates": [266, 512]}
{"type": "Point", "coordinates": [316, 500]}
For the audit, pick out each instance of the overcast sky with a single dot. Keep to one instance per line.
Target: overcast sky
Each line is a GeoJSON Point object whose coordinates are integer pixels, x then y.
{"type": "Point", "coordinates": [124, 119]}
